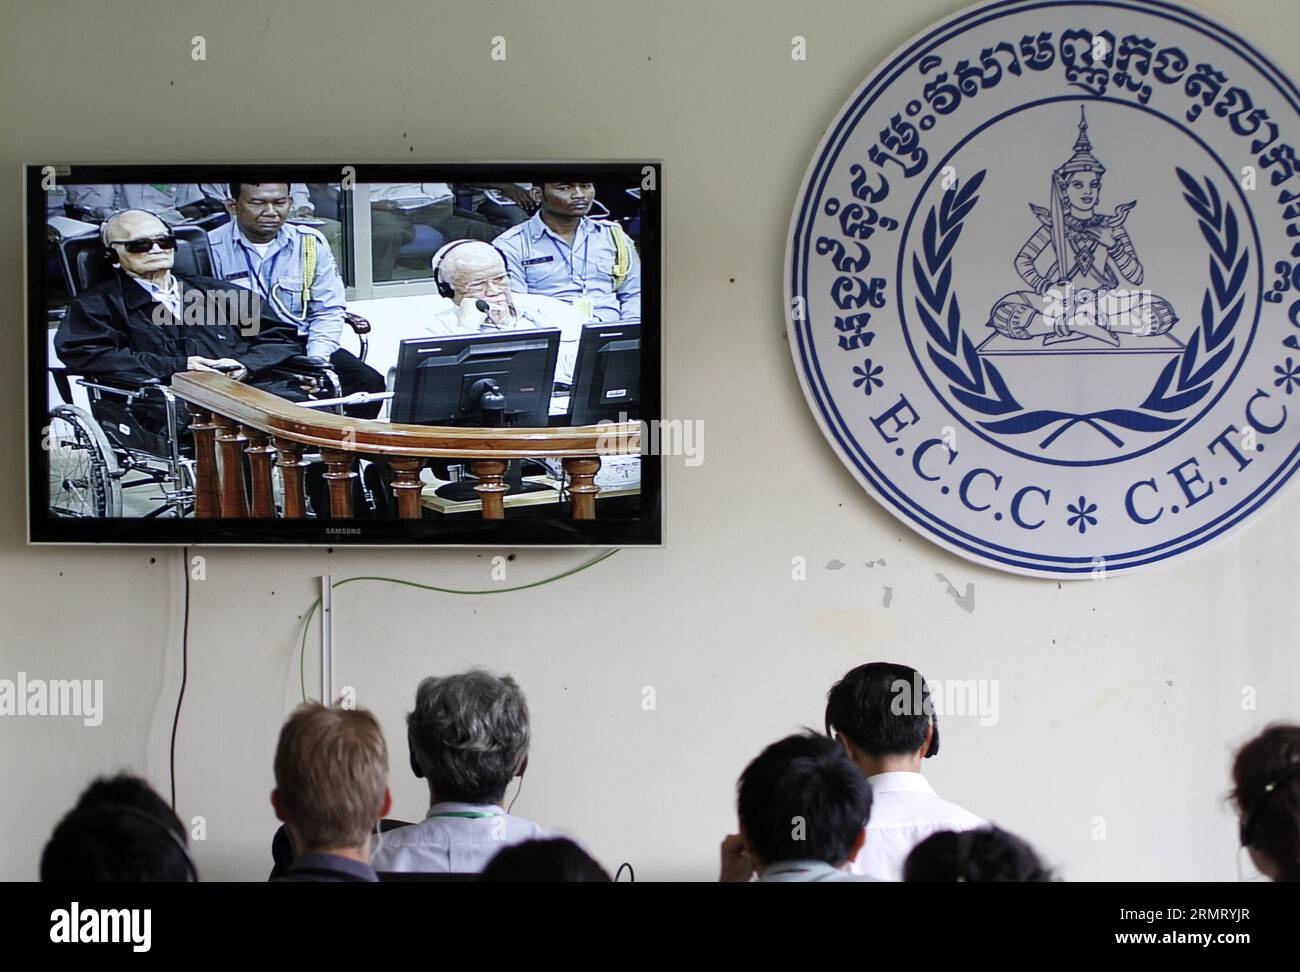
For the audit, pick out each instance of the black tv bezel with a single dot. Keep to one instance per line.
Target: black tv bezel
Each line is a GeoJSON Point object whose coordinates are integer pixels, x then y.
{"type": "Point", "coordinates": [643, 530]}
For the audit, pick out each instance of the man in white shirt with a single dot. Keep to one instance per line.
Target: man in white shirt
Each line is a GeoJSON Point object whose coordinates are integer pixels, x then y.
{"type": "Point", "coordinates": [469, 272]}
{"type": "Point", "coordinates": [801, 804]}
{"type": "Point", "coordinates": [468, 736]}
{"type": "Point", "coordinates": [883, 716]}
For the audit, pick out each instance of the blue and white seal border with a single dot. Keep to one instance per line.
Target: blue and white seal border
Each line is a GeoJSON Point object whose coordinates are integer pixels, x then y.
{"type": "Point", "coordinates": [809, 369]}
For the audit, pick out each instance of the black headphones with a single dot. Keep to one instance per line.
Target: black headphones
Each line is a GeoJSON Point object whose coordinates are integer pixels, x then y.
{"type": "Point", "coordinates": [118, 808]}
{"type": "Point", "coordinates": [445, 289]}
{"type": "Point", "coordinates": [111, 254]}
{"type": "Point", "coordinates": [1247, 833]}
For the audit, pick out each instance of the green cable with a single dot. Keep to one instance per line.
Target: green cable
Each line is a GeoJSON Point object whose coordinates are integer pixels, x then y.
{"type": "Point", "coordinates": [306, 624]}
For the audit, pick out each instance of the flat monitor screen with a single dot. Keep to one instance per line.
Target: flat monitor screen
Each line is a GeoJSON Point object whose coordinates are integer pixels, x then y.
{"type": "Point", "coordinates": [503, 380]}
{"type": "Point", "coordinates": [607, 375]}
{"type": "Point", "coordinates": [343, 354]}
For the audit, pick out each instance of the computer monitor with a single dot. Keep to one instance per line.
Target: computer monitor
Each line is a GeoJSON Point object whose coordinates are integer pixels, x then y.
{"type": "Point", "coordinates": [481, 379]}
{"type": "Point", "coordinates": [607, 374]}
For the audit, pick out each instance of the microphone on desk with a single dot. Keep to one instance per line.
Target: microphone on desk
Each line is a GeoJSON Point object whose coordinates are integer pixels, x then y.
{"type": "Point", "coordinates": [481, 305]}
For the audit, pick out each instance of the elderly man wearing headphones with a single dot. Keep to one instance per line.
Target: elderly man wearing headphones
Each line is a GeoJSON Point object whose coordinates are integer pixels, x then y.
{"type": "Point", "coordinates": [473, 276]}
{"type": "Point", "coordinates": [145, 322]}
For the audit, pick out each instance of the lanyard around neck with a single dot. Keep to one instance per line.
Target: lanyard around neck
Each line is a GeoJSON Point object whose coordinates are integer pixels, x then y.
{"type": "Point", "coordinates": [469, 814]}
{"type": "Point", "coordinates": [568, 260]}
{"type": "Point", "coordinates": [268, 261]}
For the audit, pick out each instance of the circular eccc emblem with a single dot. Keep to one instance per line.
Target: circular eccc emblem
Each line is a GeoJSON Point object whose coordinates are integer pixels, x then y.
{"type": "Point", "coordinates": [1043, 284]}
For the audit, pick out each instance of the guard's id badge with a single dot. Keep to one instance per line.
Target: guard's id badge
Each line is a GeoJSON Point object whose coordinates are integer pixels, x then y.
{"type": "Point", "coordinates": [586, 307]}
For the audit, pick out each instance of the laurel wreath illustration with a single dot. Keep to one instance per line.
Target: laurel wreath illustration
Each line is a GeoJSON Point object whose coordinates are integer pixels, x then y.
{"type": "Point", "coordinates": [1184, 381]}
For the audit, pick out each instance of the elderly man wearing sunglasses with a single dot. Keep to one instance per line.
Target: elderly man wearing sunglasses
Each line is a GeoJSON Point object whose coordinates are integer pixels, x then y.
{"type": "Point", "coordinates": [118, 330]}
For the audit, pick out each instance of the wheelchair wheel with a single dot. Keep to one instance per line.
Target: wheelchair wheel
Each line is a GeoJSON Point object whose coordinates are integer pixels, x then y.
{"type": "Point", "coordinates": [85, 479]}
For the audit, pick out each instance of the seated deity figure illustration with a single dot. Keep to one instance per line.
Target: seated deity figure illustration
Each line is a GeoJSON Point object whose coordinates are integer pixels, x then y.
{"type": "Point", "coordinates": [1084, 275]}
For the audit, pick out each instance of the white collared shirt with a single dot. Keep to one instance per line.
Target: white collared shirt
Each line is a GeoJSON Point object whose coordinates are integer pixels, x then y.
{"type": "Point", "coordinates": [453, 838]}
{"type": "Point", "coordinates": [808, 872]}
{"type": "Point", "coordinates": [169, 296]}
{"type": "Point", "coordinates": [410, 195]}
{"type": "Point", "coordinates": [904, 811]}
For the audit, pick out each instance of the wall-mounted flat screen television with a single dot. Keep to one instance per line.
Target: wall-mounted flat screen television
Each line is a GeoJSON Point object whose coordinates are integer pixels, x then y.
{"type": "Point", "coordinates": [431, 354]}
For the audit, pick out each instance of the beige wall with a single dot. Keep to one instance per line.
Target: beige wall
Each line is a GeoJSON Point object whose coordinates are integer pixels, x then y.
{"type": "Point", "coordinates": [1118, 699]}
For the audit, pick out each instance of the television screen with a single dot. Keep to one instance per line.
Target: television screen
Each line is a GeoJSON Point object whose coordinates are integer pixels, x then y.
{"type": "Point", "coordinates": [459, 354]}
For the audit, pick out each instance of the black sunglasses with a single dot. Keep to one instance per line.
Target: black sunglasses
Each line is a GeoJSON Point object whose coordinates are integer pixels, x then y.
{"type": "Point", "coordinates": [167, 242]}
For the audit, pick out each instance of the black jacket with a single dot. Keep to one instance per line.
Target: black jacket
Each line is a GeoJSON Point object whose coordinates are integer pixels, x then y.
{"type": "Point", "coordinates": [109, 332]}
{"type": "Point", "coordinates": [315, 868]}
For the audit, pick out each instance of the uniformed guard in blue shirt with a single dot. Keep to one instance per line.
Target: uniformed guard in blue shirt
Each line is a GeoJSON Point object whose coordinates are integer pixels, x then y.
{"type": "Point", "coordinates": [562, 252]}
{"type": "Point", "coordinates": [293, 270]}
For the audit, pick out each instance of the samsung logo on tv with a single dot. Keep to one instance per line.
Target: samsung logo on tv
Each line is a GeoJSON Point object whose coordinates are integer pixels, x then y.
{"type": "Point", "coordinates": [347, 530]}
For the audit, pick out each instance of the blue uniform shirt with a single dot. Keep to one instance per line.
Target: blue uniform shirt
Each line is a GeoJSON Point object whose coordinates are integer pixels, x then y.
{"type": "Point", "coordinates": [278, 278]}
{"type": "Point", "coordinates": [541, 262]}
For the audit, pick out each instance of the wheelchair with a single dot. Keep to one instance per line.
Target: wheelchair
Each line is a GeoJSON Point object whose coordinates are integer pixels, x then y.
{"type": "Point", "coordinates": [133, 436]}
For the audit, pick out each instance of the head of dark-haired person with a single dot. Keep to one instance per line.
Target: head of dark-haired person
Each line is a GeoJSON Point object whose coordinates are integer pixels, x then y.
{"type": "Point", "coordinates": [802, 799]}
{"type": "Point", "coordinates": [547, 859]}
{"type": "Point", "coordinates": [984, 854]}
{"type": "Point", "coordinates": [564, 201]}
{"type": "Point", "coordinates": [119, 830]}
{"type": "Point", "coordinates": [886, 719]}
{"type": "Point", "coordinates": [260, 208]}
{"type": "Point", "coordinates": [883, 714]}
{"type": "Point", "coordinates": [1266, 791]}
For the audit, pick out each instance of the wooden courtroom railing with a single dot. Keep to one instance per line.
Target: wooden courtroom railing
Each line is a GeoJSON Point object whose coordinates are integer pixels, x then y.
{"type": "Point", "coordinates": [234, 423]}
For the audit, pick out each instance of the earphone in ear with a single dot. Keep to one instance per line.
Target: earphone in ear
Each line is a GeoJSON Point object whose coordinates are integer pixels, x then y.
{"type": "Point", "coordinates": [444, 289]}
{"type": "Point", "coordinates": [519, 773]}
{"type": "Point", "coordinates": [934, 735]}
{"type": "Point", "coordinates": [110, 254]}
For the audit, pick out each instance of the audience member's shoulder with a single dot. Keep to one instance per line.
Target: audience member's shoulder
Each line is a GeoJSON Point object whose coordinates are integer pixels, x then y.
{"type": "Point", "coordinates": [960, 817]}
{"type": "Point", "coordinates": [396, 837]}
{"type": "Point", "coordinates": [533, 829]}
